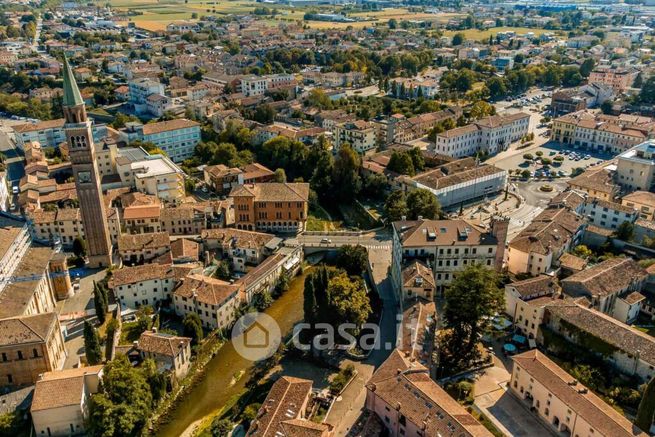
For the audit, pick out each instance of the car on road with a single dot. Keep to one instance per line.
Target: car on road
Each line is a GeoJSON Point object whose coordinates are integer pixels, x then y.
{"type": "Point", "coordinates": [326, 241]}
{"type": "Point", "coordinates": [14, 189]}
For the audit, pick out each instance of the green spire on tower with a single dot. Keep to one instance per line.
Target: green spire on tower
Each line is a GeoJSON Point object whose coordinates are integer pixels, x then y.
{"type": "Point", "coordinates": [72, 96]}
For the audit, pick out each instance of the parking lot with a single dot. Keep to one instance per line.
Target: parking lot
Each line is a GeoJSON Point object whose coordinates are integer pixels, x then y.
{"type": "Point", "coordinates": [571, 159]}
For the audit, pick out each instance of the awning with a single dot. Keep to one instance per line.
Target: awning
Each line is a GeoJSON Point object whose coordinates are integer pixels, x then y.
{"type": "Point", "coordinates": [518, 339]}
{"type": "Point", "coordinates": [509, 347]}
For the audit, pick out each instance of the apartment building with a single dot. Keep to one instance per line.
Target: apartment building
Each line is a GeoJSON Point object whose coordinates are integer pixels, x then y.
{"type": "Point", "coordinates": [65, 225]}
{"type": "Point", "coordinates": [14, 244]}
{"type": "Point", "coordinates": [215, 301]}
{"type": "Point", "coordinates": [239, 246]}
{"type": "Point", "coordinates": [183, 220]}
{"type": "Point", "coordinates": [583, 97]}
{"type": "Point", "coordinates": [30, 346]}
{"type": "Point", "coordinates": [458, 182]}
{"type": "Point", "coordinates": [178, 137]}
{"type": "Point", "coordinates": [284, 412]}
{"type": "Point", "coordinates": [605, 133]}
{"type": "Point", "coordinates": [612, 287]}
{"type": "Point", "coordinates": [636, 167]}
{"type": "Point", "coordinates": [606, 214]}
{"type": "Point", "coordinates": [446, 246]}
{"type": "Point", "coordinates": [140, 90]}
{"type": "Point", "coordinates": [275, 207]}
{"type": "Point", "coordinates": [399, 129]}
{"type": "Point", "coordinates": [222, 178]}
{"type": "Point", "coordinates": [597, 183]}
{"type": "Point", "coordinates": [149, 284]}
{"type": "Point", "coordinates": [141, 219]}
{"type": "Point", "coordinates": [526, 300]}
{"type": "Point", "coordinates": [567, 406]}
{"type": "Point", "coordinates": [641, 201]}
{"type": "Point", "coordinates": [412, 88]}
{"type": "Point", "coordinates": [49, 133]}
{"type": "Point", "coordinates": [572, 320]}
{"type": "Point", "coordinates": [359, 134]}
{"type": "Point", "coordinates": [60, 404]}
{"type": "Point", "coordinates": [409, 403]}
{"type": "Point", "coordinates": [619, 79]}
{"type": "Point", "coordinates": [538, 247]}
{"type": "Point", "coordinates": [171, 353]}
{"type": "Point", "coordinates": [489, 135]}
{"type": "Point", "coordinates": [142, 248]}
{"type": "Point", "coordinates": [156, 175]}
{"type": "Point", "coordinates": [259, 85]}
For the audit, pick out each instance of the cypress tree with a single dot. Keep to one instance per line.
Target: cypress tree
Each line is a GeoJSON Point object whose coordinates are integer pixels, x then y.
{"type": "Point", "coordinates": [309, 304]}
{"type": "Point", "coordinates": [646, 410]}
{"type": "Point", "coordinates": [100, 303]}
{"type": "Point", "coordinates": [92, 344]}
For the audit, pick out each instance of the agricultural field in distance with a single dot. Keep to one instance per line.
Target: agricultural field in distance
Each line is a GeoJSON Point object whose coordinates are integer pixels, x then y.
{"type": "Point", "coordinates": [477, 35]}
{"type": "Point", "coordinates": [156, 15]}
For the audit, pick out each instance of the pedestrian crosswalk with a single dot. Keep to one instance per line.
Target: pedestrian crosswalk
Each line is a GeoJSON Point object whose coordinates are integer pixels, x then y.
{"type": "Point", "coordinates": [378, 246]}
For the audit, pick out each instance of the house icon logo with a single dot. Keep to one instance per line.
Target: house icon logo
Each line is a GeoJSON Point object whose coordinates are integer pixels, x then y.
{"type": "Point", "coordinates": [256, 336]}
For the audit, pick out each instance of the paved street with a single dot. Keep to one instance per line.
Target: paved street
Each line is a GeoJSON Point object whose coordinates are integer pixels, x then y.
{"type": "Point", "coordinates": [348, 407]}
{"type": "Point", "coordinates": [78, 304]}
{"type": "Point", "coordinates": [379, 240]}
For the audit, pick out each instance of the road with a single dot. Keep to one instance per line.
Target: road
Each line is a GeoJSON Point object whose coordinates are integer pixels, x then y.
{"type": "Point", "coordinates": [15, 161]}
{"type": "Point", "coordinates": [347, 408]}
{"type": "Point", "coordinates": [371, 240]}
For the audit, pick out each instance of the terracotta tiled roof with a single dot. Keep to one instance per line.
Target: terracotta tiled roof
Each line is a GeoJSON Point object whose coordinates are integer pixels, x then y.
{"type": "Point", "coordinates": [26, 329]}
{"type": "Point", "coordinates": [147, 272]}
{"type": "Point", "coordinates": [549, 231]}
{"type": "Point", "coordinates": [604, 419]}
{"type": "Point", "coordinates": [61, 388]}
{"type": "Point", "coordinates": [207, 290]}
{"type": "Point", "coordinates": [423, 403]}
{"type": "Point", "coordinates": [136, 242]}
{"type": "Point", "coordinates": [141, 212]}
{"type": "Point", "coordinates": [284, 402]}
{"type": "Point", "coordinates": [607, 278]}
{"type": "Point", "coordinates": [165, 126]}
{"type": "Point", "coordinates": [185, 248]}
{"type": "Point", "coordinates": [162, 344]}
{"type": "Point", "coordinates": [458, 232]}
{"type": "Point", "coordinates": [274, 192]}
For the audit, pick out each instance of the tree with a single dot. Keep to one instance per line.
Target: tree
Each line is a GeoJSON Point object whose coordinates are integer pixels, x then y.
{"type": "Point", "coordinates": [220, 427]}
{"type": "Point", "coordinates": [264, 114]}
{"type": "Point", "coordinates": [458, 39]}
{"type": "Point", "coordinates": [309, 302]}
{"type": "Point", "coordinates": [625, 231]}
{"type": "Point", "coordinates": [472, 298]}
{"type": "Point", "coordinates": [582, 251]}
{"type": "Point", "coordinates": [646, 410]}
{"type": "Point", "coordinates": [193, 327]}
{"type": "Point", "coordinates": [606, 107]}
{"type": "Point", "coordinates": [647, 93]}
{"type": "Point", "coordinates": [401, 163]}
{"type": "Point", "coordinates": [189, 186]}
{"type": "Point", "coordinates": [393, 23]}
{"type": "Point", "coordinates": [262, 300]}
{"type": "Point", "coordinates": [124, 403]}
{"type": "Point", "coordinates": [352, 259]}
{"type": "Point", "coordinates": [79, 247]}
{"type": "Point", "coordinates": [481, 109]}
{"type": "Point", "coordinates": [346, 182]}
{"type": "Point", "coordinates": [587, 67]}
{"type": "Point", "coordinates": [92, 346]}
{"type": "Point", "coordinates": [279, 175]}
{"type": "Point", "coordinates": [395, 207]}
{"type": "Point", "coordinates": [317, 97]}
{"type": "Point", "coordinates": [100, 302]}
{"type": "Point", "coordinates": [423, 203]}
{"type": "Point", "coordinates": [497, 88]}
{"type": "Point", "coordinates": [348, 300]}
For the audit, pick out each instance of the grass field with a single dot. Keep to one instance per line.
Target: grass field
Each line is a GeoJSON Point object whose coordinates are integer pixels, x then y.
{"type": "Point", "coordinates": [477, 35]}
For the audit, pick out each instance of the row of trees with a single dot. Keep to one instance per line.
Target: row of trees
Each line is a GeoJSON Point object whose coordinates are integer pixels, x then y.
{"type": "Point", "coordinates": [418, 203]}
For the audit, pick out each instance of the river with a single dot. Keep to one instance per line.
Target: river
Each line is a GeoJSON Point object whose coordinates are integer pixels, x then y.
{"type": "Point", "coordinates": [214, 389]}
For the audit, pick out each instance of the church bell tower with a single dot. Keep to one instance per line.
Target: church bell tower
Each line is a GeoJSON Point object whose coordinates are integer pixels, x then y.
{"type": "Point", "coordinates": [85, 171]}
